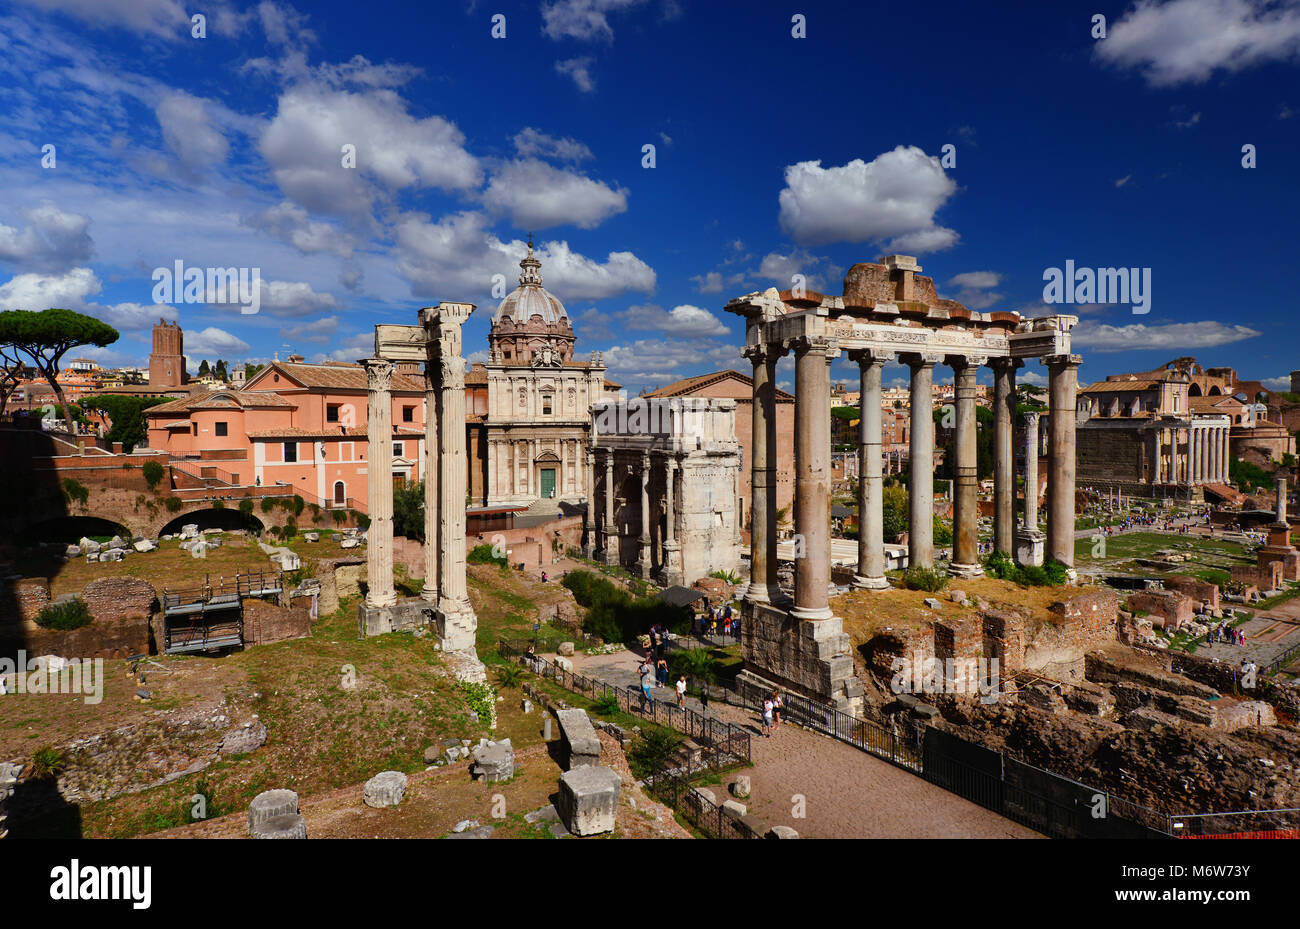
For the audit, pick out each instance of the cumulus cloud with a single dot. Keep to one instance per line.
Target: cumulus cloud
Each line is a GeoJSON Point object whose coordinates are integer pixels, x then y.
{"type": "Point", "coordinates": [582, 19]}
{"type": "Point", "coordinates": [781, 270]}
{"type": "Point", "coordinates": [459, 252]}
{"type": "Point", "coordinates": [580, 70]}
{"type": "Point", "coordinates": [53, 239]}
{"type": "Point", "coordinates": [536, 196]}
{"type": "Point", "coordinates": [295, 298]}
{"type": "Point", "coordinates": [653, 362]}
{"type": "Point", "coordinates": [213, 343]}
{"type": "Point", "coordinates": [188, 131]}
{"type": "Point", "coordinates": [893, 197]}
{"type": "Point", "coordinates": [975, 288]}
{"type": "Point", "coordinates": [1281, 382]}
{"type": "Point", "coordinates": [394, 150]}
{"type": "Point", "coordinates": [293, 224]}
{"type": "Point", "coordinates": [683, 321]}
{"type": "Point", "coordinates": [1101, 337]}
{"type": "Point", "coordinates": [1187, 41]}
{"type": "Point", "coordinates": [41, 291]}
{"type": "Point", "coordinates": [530, 143]}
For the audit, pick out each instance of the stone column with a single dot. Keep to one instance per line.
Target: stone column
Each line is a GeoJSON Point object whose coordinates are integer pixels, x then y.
{"type": "Point", "coordinates": [1004, 461]}
{"type": "Point", "coordinates": [457, 622]}
{"type": "Point", "coordinates": [1224, 471]}
{"type": "Point", "coordinates": [379, 485]}
{"type": "Point", "coordinates": [871, 522]}
{"type": "Point", "coordinates": [611, 528]}
{"type": "Point", "coordinates": [965, 522]}
{"type": "Point", "coordinates": [432, 383]}
{"type": "Point", "coordinates": [672, 549]}
{"type": "Point", "coordinates": [920, 531]}
{"type": "Point", "coordinates": [1281, 501]}
{"type": "Point", "coordinates": [644, 559]}
{"type": "Point", "coordinates": [1029, 541]}
{"type": "Point", "coordinates": [812, 489]}
{"type": "Point", "coordinates": [589, 515]}
{"type": "Point", "coordinates": [763, 587]}
{"type": "Point", "coordinates": [1063, 385]}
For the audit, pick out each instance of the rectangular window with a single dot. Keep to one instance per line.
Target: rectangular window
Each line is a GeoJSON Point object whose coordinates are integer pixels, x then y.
{"type": "Point", "coordinates": [221, 429]}
{"type": "Point", "coordinates": [332, 413]}
{"type": "Point", "coordinates": [195, 427]}
{"type": "Point", "coordinates": [290, 452]}
{"type": "Point", "coordinates": [546, 406]}
{"type": "Point", "coordinates": [408, 414]}
{"type": "Point", "coordinates": [397, 449]}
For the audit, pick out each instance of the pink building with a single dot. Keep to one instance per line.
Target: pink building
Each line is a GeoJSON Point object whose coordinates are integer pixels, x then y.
{"type": "Point", "coordinates": [301, 426]}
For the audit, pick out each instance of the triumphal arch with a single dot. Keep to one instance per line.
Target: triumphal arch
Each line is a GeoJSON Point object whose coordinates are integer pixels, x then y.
{"type": "Point", "coordinates": [887, 312]}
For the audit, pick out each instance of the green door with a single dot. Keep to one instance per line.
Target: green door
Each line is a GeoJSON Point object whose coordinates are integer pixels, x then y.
{"type": "Point", "coordinates": [548, 482]}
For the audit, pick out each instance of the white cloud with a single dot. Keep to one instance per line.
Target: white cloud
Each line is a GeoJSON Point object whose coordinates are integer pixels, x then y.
{"type": "Point", "coordinates": [582, 19]}
{"type": "Point", "coordinates": [394, 150]}
{"type": "Point", "coordinates": [1282, 382]}
{"type": "Point", "coordinates": [781, 269]}
{"type": "Point", "coordinates": [649, 362]}
{"type": "Point", "coordinates": [537, 196]}
{"type": "Point", "coordinates": [188, 131]}
{"type": "Point", "coordinates": [213, 343]}
{"type": "Point", "coordinates": [684, 321]}
{"type": "Point", "coordinates": [53, 240]}
{"type": "Point", "coordinates": [975, 288]}
{"type": "Point", "coordinates": [1187, 41]}
{"type": "Point", "coordinates": [894, 197]}
{"type": "Point", "coordinates": [295, 298]}
{"type": "Point", "coordinates": [165, 18]}
{"type": "Point", "coordinates": [41, 292]}
{"type": "Point", "coordinates": [290, 222]}
{"type": "Point", "coordinates": [530, 142]}
{"type": "Point", "coordinates": [1123, 180]}
{"type": "Point", "coordinates": [580, 70]}
{"type": "Point", "coordinates": [1101, 337]}
{"type": "Point", "coordinates": [458, 252]}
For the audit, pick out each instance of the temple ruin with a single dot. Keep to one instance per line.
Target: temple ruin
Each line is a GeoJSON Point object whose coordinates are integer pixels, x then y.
{"type": "Point", "coordinates": [887, 312]}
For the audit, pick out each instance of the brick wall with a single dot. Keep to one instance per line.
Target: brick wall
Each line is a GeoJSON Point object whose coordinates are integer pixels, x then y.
{"type": "Point", "coordinates": [265, 622]}
{"type": "Point", "coordinates": [1203, 593]}
{"type": "Point", "coordinates": [1169, 609]}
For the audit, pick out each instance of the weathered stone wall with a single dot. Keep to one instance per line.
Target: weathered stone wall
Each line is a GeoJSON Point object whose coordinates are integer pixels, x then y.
{"type": "Point", "coordinates": [1203, 594]}
{"type": "Point", "coordinates": [120, 607]}
{"type": "Point", "coordinates": [1106, 454]}
{"type": "Point", "coordinates": [265, 623]}
{"type": "Point", "coordinates": [1004, 639]}
{"type": "Point", "coordinates": [1168, 608]}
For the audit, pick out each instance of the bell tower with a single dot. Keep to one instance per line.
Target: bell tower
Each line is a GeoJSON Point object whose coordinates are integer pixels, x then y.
{"type": "Point", "coordinates": [167, 361]}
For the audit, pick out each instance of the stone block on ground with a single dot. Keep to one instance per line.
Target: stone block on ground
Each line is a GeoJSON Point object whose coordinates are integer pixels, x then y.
{"type": "Point", "coordinates": [564, 664]}
{"type": "Point", "coordinates": [740, 786]}
{"type": "Point", "coordinates": [588, 801]}
{"type": "Point", "coordinates": [581, 743]}
{"type": "Point", "coordinates": [270, 804]}
{"type": "Point", "coordinates": [565, 649]}
{"type": "Point", "coordinates": [384, 789]}
{"type": "Point", "coordinates": [493, 762]}
{"type": "Point", "coordinates": [782, 832]}
{"type": "Point", "coordinates": [247, 738]}
{"type": "Point", "coordinates": [734, 809]}
{"type": "Point", "coordinates": [288, 826]}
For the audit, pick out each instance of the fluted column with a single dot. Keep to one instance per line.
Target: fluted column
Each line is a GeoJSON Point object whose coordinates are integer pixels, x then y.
{"type": "Point", "coordinates": [1226, 439]}
{"type": "Point", "coordinates": [965, 522]}
{"type": "Point", "coordinates": [763, 587]}
{"type": "Point", "coordinates": [589, 515]}
{"type": "Point", "coordinates": [1031, 470]}
{"type": "Point", "coordinates": [379, 485]}
{"type": "Point", "coordinates": [920, 533]}
{"type": "Point", "coordinates": [1063, 386]}
{"type": "Point", "coordinates": [812, 488]}
{"type": "Point", "coordinates": [432, 379]}
{"type": "Point", "coordinates": [871, 523]}
{"type": "Point", "coordinates": [1004, 461]}
{"type": "Point", "coordinates": [644, 540]}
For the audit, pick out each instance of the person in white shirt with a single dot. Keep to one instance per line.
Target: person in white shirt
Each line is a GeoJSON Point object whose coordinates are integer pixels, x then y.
{"type": "Point", "coordinates": [681, 691]}
{"type": "Point", "coordinates": [767, 717]}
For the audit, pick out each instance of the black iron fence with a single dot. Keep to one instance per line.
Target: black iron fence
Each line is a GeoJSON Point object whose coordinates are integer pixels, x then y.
{"type": "Point", "coordinates": [721, 744]}
{"type": "Point", "coordinates": [695, 807]}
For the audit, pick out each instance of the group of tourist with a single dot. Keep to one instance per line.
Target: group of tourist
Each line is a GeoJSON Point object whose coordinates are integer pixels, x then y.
{"type": "Point", "coordinates": [1225, 633]}
{"type": "Point", "coordinates": [657, 674]}
{"type": "Point", "coordinates": [771, 713]}
{"type": "Point", "coordinates": [718, 618]}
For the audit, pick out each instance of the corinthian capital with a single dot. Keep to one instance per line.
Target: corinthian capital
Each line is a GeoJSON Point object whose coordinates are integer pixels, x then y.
{"type": "Point", "coordinates": [379, 373]}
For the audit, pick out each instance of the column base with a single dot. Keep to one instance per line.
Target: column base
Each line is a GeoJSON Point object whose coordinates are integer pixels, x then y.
{"type": "Point", "coordinates": [1029, 546]}
{"type": "Point", "coordinates": [812, 614]}
{"type": "Point", "coordinates": [457, 625]}
{"type": "Point", "coordinates": [812, 658]}
{"type": "Point", "coordinates": [399, 616]}
{"type": "Point", "coordinates": [870, 583]}
{"type": "Point", "coordinates": [965, 570]}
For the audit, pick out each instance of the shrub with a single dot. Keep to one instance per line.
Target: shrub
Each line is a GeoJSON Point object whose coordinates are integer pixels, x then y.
{"type": "Point", "coordinates": [618, 616]}
{"type": "Point", "coordinates": [510, 675]}
{"type": "Point", "coordinates": [289, 531]}
{"type": "Point", "coordinates": [360, 519]}
{"type": "Point", "coordinates": [174, 504]}
{"type": "Point", "coordinates": [697, 663]}
{"type": "Point", "coordinates": [339, 517]}
{"type": "Point", "coordinates": [315, 513]}
{"type": "Point", "coordinates": [651, 749]}
{"type": "Point", "coordinates": [607, 705]}
{"type": "Point", "coordinates": [246, 507]}
{"type": "Point", "coordinates": [482, 699]}
{"type": "Point", "coordinates": [296, 505]}
{"type": "Point", "coordinates": [1052, 574]}
{"type": "Point", "coordinates": [731, 577]}
{"type": "Point", "coordinates": [482, 554]}
{"type": "Point", "coordinates": [218, 504]}
{"type": "Point", "coordinates": [268, 504]}
{"type": "Point", "coordinates": [70, 614]}
{"type": "Point", "coordinates": [930, 580]}
{"type": "Point", "coordinates": [48, 762]}
{"type": "Point", "coordinates": [153, 473]}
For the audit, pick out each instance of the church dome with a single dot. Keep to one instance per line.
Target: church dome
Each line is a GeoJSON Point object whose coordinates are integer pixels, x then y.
{"type": "Point", "coordinates": [530, 299]}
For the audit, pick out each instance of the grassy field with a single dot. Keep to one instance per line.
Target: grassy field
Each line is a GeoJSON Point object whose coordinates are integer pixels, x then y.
{"type": "Point", "coordinates": [1211, 558]}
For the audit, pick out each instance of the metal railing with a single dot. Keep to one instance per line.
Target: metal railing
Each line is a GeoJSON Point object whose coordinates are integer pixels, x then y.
{"type": "Point", "coordinates": [721, 744]}
{"type": "Point", "coordinates": [693, 806]}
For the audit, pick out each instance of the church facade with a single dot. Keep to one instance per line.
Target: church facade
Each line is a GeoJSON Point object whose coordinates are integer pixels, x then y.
{"type": "Point", "coordinates": [530, 420]}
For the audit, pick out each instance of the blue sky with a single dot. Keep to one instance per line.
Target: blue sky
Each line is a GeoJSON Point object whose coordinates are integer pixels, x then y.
{"type": "Point", "coordinates": [774, 156]}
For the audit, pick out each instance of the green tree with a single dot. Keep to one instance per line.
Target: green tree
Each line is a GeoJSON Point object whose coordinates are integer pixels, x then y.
{"type": "Point", "coordinates": [894, 507]}
{"type": "Point", "coordinates": [204, 370]}
{"type": "Point", "coordinates": [153, 473]}
{"type": "Point", "coordinates": [221, 371]}
{"type": "Point", "coordinates": [126, 416]}
{"type": "Point", "coordinates": [45, 336]}
{"type": "Point", "coordinates": [408, 510]}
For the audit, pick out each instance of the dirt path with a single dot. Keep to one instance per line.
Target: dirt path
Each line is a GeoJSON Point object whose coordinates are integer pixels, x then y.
{"type": "Point", "coordinates": [850, 794]}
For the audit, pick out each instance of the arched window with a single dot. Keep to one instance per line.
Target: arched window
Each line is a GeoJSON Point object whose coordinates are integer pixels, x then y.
{"type": "Point", "coordinates": [340, 494]}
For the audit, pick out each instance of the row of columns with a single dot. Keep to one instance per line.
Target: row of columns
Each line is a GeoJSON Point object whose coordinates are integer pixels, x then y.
{"type": "Point", "coordinates": [608, 544]}
{"type": "Point", "coordinates": [1208, 454]}
{"type": "Point", "coordinates": [812, 472]}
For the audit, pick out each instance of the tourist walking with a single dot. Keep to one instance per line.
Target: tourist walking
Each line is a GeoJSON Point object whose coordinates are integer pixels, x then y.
{"type": "Point", "coordinates": [776, 709]}
{"type": "Point", "coordinates": [661, 672]}
{"type": "Point", "coordinates": [681, 691]}
{"type": "Point", "coordinates": [647, 697]}
{"type": "Point", "coordinates": [767, 718]}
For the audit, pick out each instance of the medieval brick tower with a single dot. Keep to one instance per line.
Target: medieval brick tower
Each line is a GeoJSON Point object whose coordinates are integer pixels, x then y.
{"type": "Point", "coordinates": [167, 361]}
